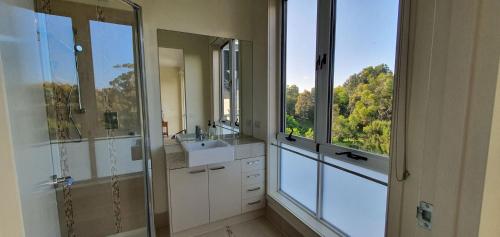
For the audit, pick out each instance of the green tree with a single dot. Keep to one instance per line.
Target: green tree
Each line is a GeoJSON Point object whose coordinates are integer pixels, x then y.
{"type": "Point", "coordinates": [120, 97]}
{"type": "Point", "coordinates": [292, 92]}
{"type": "Point", "coordinates": [362, 110]}
{"type": "Point", "coordinates": [304, 108]}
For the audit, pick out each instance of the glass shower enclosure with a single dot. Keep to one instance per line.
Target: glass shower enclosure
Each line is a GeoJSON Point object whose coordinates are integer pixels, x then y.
{"type": "Point", "coordinates": [93, 84]}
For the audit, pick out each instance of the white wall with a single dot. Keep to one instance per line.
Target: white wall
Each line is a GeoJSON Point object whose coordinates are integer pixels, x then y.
{"type": "Point", "coordinates": [453, 65]}
{"type": "Point", "coordinates": [224, 18]}
{"type": "Point", "coordinates": [29, 135]}
{"type": "Point", "coordinates": [490, 210]}
{"type": "Point", "coordinates": [11, 222]}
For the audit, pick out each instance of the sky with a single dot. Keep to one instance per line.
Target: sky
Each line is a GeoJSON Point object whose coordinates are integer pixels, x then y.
{"type": "Point", "coordinates": [111, 45]}
{"type": "Point", "coordinates": [366, 32]}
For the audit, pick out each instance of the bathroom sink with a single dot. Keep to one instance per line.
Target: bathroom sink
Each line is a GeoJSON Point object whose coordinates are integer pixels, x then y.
{"type": "Point", "coordinates": [207, 152]}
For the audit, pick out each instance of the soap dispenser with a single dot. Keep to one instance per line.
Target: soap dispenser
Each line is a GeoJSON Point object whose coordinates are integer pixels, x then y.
{"type": "Point", "coordinates": [214, 130]}
{"type": "Point", "coordinates": [209, 130]}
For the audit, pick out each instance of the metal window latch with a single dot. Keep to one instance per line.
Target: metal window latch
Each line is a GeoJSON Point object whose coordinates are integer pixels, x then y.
{"type": "Point", "coordinates": [323, 61]}
{"type": "Point", "coordinates": [290, 138]}
{"type": "Point", "coordinates": [351, 155]}
{"type": "Point", "coordinates": [424, 215]}
{"type": "Point", "coordinates": [320, 62]}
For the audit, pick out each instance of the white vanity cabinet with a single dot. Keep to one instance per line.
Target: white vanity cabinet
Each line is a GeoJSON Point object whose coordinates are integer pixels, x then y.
{"type": "Point", "coordinates": [224, 190]}
{"type": "Point", "coordinates": [253, 180]}
{"type": "Point", "coordinates": [208, 194]}
{"type": "Point", "coordinates": [189, 194]}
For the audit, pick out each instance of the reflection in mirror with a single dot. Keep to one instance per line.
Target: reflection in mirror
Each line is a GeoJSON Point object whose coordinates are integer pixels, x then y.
{"type": "Point", "coordinates": [172, 90]}
{"type": "Point", "coordinates": [205, 82]}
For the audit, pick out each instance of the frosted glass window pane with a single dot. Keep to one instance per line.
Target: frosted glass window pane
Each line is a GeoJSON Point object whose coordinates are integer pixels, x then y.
{"type": "Point", "coordinates": [299, 177]}
{"type": "Point", "coordinates": [351, 202]}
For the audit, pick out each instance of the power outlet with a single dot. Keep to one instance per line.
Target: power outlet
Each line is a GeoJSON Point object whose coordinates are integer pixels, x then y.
{"type": "Point", "coordinates": [424, 215]}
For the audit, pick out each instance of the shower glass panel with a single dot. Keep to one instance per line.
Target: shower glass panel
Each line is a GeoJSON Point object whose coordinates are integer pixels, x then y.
{"type": "Point", "coordinates": [90, 56]}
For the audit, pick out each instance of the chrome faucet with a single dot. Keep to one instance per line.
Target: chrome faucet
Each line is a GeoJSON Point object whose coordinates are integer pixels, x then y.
{"type": "Point", "coordinates": [199, 133]}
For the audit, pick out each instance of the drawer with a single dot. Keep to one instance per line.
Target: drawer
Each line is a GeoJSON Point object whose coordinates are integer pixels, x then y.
{"type": "Point", "coordinates": [250, 150]}
{"type": "Point", "coordinates": [252, 190]}
{"type": "Point", "coordinates": [251, 164]}
{"type": "Point", "coordinates": [253, 177]}
{"type": "Point", "coordinates": [253, 203]}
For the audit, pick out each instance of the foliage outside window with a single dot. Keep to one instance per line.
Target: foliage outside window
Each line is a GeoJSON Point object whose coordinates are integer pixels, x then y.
{"type": "Point", "coordinates": [362, 109]}
{"type": "Point", "coordinates": [121, 97]}
{"type": "Point", "coordinates": [300, 51]}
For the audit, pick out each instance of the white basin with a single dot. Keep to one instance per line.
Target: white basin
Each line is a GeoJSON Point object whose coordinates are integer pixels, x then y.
{"type": "Point", "coordinates": [207, 152]}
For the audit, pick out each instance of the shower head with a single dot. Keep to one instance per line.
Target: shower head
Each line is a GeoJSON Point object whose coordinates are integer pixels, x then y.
{"type": "Point", "coordinates": [78, 48]}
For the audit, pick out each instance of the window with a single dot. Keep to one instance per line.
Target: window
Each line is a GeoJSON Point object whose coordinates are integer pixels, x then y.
{"type": "Point", "coordinates": [300, 53]}
{"type": "Point", "coordinates": [338, 72]}
{"type": "Point", "coordinates": [227, 83]}
{"type": "Point", "coordinates": [363, 74]}
{"type": "Point", "coordinates": [96, 78]}
{"type": "Point", "coordinates": [114, 75]}
{"type": "Point", "coordinates": [350, 201]}
{"type": "Point", "coordinates": [230, 88]}
{"type": "Point", "coordinates": [299, 176]}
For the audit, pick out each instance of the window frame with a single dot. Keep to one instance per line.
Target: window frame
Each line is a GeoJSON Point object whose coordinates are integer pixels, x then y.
{"type": "Point", "coordinates": [234, 86]}
{"type": "Point", "coordinates": [324, 95]}
{"type": "Point", "coordinates": [321, 144]}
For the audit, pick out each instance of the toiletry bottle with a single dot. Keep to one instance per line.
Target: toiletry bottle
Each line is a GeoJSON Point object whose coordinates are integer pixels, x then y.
{"type": "Point", "coordinates": [214, 130]}
{"type": "Point", "coordinates": [209, 130]}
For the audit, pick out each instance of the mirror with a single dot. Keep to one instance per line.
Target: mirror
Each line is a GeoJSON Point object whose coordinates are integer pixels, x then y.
{"type": "Point", "coordinates": [205, 79]}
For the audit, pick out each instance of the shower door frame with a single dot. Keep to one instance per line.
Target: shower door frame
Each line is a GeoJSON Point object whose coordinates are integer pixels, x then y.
{"type": "Point", "coordinates": [144, 117]}
{"type": "Point", "coordinates": [139, 59]}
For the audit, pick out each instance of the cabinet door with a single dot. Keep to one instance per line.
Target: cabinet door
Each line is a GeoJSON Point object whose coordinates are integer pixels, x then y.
{"type": "Point", "coordinates": [189, 198]}
{"type": "Point", "coordinates": [225, 190]}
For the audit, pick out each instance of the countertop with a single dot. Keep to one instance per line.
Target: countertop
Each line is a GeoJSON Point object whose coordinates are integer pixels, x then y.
{"type": "Point", "coordinates": [176, 158]}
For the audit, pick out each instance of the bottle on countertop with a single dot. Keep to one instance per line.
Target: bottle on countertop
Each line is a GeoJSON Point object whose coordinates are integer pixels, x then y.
{"type": "Point", "coordinates": [214, 131]}
{"type": "Point", "coordinates": [211, 130]}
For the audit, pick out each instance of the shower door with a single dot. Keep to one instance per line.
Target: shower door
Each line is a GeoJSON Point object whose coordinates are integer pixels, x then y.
{"type": "Point", "coordinates": [92, 85]}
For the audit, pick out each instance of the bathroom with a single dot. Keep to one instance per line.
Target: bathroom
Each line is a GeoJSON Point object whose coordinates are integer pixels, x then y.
{"type": "Point", "coordinates": [144, 118]}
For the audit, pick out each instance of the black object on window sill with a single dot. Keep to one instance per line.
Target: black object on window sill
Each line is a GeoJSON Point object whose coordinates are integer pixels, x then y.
{"type": "Point", "coordinates": [351, 155]}
{"type": "Point", "coordinates": [290, 138]}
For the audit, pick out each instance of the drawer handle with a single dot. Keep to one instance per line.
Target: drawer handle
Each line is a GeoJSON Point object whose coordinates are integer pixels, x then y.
{"type": "Point", "coordinates": [253, 162]}
{"type": "Point", "coordinates": [218, 168]}
{"type": "Point", "coordinates": [197, 171]}
{"type": "Point", "coordinates": [253, 189]}
{"type": "Point", "coordinates": [253, 203]}
{"type": "Point", "coordinates": [253, 176]}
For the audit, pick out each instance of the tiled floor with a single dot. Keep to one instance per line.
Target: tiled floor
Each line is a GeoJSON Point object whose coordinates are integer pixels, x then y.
{"type": "Point", "coordinates": [260, 227]}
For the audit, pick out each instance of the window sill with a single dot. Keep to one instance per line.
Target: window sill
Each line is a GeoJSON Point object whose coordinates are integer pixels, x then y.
{"type": "Point", "coordinates": [305, 217]}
